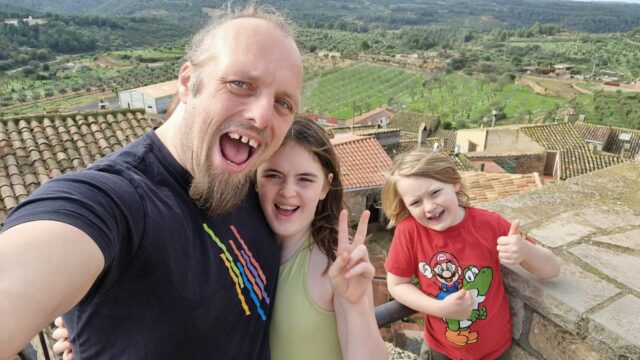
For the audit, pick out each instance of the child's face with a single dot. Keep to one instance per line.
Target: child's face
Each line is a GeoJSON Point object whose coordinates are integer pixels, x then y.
{"type": "Point", "coordinates": [290, 184]}
{"type": "Point", "coordinates": [432, 203]}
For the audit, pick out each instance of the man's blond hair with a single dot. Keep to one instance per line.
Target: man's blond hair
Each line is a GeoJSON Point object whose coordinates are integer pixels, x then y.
{"type": "Point", "coordinates": [200, 49]}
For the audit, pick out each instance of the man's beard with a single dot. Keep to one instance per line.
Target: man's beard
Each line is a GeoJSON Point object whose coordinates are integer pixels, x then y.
{"type": "Point", "coordinates": [218, 192]}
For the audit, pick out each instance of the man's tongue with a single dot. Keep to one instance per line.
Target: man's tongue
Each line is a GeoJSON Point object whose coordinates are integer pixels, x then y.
{"type": "Point", "coordinates": [234, 150]}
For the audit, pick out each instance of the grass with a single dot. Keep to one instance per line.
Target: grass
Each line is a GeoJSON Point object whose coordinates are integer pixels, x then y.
{"type": "Point", "coordinates": [457, 98]}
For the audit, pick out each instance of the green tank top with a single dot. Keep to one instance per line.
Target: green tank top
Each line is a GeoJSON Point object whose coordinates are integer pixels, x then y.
{"type": "Point", "coordinates": [300, 329]}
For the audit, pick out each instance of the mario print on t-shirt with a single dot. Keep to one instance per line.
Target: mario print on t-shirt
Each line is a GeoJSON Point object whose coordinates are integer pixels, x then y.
{"type": "Point", "coordinates": [444, 269]}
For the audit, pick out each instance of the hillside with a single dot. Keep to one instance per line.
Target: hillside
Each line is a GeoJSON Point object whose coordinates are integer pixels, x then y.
{"type": "Point", "coordinates": [483, 15]}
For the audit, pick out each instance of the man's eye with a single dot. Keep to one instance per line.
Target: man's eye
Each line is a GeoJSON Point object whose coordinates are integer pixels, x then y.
{"type": "Point", "coordinates": [284, 104]}
{"type": "Point", "coordinates": [239, 84]}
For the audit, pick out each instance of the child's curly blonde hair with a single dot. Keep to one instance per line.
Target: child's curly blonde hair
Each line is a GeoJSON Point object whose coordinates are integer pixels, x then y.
{"type": "Point", "coordinates": [418, 163]}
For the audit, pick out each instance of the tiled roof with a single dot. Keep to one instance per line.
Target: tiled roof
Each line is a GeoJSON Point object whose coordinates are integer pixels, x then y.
{"type": "Point", "coordinates": [332, 132]}
{"type": "Point", "coordinates": [404, 145]}
{"type": "Point", "coordinates": [35, 149]}
{"type": "Point", "coordinates": [159, 90]}
{"type": "Point", "coordinates": [484, 187]}
{"type": "Point", "coordinates": [363, 162]}
{"type": "Point", "coordinates": [610, 137]}
{"type": "Point", "coordinates": [592, 132]}
{"type": "Point", "coordinates": [461, 161]}
{"type": "Point", "coordinates": [411, 121]}
{"type": "Point", "coordinates": [556, 136]}
{"type": "Point", "coordinates": [575, 156]}
{"type": "Point", "coordinates": [579, 162]}
{"type": "Point", "coordinates": [379, 111]}
{"type": "Point", "coordinates": [322, 119]}
{"type": "Point", "coordinates": [449, 137]}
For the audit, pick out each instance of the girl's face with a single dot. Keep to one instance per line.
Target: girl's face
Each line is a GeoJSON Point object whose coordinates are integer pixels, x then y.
{"type": "Point", "coordinates": [432, 203]}
{"type": "Point", "coordinates": [290, 184]}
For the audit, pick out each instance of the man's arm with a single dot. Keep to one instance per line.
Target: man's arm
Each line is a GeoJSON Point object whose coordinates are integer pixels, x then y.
{"type": "Point", "coordinates": [46, 267]}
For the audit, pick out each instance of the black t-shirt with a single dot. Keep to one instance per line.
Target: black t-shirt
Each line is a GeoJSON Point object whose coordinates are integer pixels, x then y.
{"type": "Point", "coordinates": [177, 283]}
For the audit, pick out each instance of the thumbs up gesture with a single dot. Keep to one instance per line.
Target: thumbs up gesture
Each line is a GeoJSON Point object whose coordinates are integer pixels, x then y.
{"type": "Point", "coordinates": [513, 248]}
{"type": "Point", "coordinates": [351, 272]}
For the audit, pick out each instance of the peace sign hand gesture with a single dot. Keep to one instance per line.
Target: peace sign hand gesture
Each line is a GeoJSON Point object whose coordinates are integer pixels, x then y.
{"type": "Point", "coordinates": [351, 273]}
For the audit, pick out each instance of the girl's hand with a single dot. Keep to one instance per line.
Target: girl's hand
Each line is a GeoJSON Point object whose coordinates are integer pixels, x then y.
{"type": "Point", "coordinates": [513, 248]}
{"type": "Point", "coordinates": [457, 306]}
{"type": "Point", "coordinates": [62, 345]}
{"type": "Point", "coordinates": [351, 273]}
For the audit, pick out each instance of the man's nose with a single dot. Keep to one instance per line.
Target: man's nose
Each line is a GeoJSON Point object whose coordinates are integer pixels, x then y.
{"type": "Point", "coordinates": [261, 111]}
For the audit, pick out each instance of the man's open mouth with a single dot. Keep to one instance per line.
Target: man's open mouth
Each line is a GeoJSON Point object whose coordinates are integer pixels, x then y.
{"type": "Point", "coordinates": [237, 149]}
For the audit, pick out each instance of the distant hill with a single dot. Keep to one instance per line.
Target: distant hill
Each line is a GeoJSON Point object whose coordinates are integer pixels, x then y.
{"type": "Point", "coordinates": [478, 14]}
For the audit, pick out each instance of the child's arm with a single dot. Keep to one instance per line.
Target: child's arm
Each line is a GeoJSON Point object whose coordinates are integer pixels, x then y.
{"type": "Point", "coordinates": [514, 249]}
{"type": "Point", "coordinates": [350, 276]}
{"type": "Point", "coordinates": [455, 306]}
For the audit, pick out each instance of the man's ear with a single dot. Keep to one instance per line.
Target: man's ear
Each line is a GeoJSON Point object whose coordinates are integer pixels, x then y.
{"type": "Point", "coordinates": [184, 78]}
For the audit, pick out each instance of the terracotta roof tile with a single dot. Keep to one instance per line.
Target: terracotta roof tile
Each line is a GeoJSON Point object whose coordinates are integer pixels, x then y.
{"type": "Point", "coordinates": [579, 162]}
{"type": "Point", "coordinates": [556, 136]}
{"type": "Point", "coordinates": [35, 149]}
{"type": "Point", "coordinates": [363, 162]}
{"type": "Point", "coordinates": [344, 130]}
{"type": "Point", "coordinates": [448, 137]}
{"type": "Point", "coordinates": [375, 112]}
{"type": "Point", "coordinates": [411, 122]}
{"type": "Point", "coordinates": [610, 137]}
{"type": "Point", "coordinates": [483, 187]}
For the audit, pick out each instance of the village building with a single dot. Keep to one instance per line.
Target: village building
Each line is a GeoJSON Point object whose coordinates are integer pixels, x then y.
{"type": "Point", "coordinates": [363, 164]}
{"type": "Point", "coordinates": [379, 116]}
{"type": "Point", "coordinates": [153, 98]}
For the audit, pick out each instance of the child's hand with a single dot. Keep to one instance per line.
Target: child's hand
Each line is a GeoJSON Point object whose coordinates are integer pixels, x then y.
{"type": "Point", "coordinates": [513, 248]}
{"type": "Point", "coordinates": [457, 306]}
{"type": "Point", "coordinates": [351, 273]}
{"type": "Point", "coordinates": [62, 345]}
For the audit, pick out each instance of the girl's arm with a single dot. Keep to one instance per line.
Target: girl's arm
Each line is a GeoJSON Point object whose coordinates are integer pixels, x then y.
{"type": "Point", "coordinates": [455, 306]}
{"type": "Point", "coordinates": [514, 249]}
{"type": "Point", "coordinates": [357, 328]}
{"type": "Point", "coordinates": [350, 276]}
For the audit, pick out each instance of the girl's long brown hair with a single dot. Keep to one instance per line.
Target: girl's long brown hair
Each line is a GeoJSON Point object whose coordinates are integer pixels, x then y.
{"type": "Point", "coordinates": [324, 227]}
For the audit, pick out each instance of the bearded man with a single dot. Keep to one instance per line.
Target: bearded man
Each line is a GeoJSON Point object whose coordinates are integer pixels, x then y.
{"type": "Point", "coordinates": [164, 240]}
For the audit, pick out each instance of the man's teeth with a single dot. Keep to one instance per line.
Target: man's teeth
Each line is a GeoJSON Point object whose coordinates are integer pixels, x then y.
{"type": "Point", "coordinates": [253, 143]}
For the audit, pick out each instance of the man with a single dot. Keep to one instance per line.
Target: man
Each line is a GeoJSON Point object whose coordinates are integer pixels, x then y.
{"type": "Point", "coordinates": [159, 240]}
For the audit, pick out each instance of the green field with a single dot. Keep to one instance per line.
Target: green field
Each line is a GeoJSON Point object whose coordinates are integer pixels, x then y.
{"type": "Point", "coordinates": [463, 100]}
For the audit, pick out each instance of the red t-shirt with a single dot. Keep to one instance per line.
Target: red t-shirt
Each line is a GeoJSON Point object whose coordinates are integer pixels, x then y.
{"type": "Point", "coordinates": [445, 260]}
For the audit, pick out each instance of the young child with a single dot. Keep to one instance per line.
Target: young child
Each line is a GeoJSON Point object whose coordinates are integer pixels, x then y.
{"type": "Point", "coordinates": [324, 300]}
{"type": "Point", "coordinates": [455, 252]}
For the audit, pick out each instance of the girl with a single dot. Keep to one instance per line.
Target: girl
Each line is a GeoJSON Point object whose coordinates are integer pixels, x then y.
{"type": "Point", "coordinates": [455, 251]}
{"type": "Point", "coordinates": [324, 305]}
